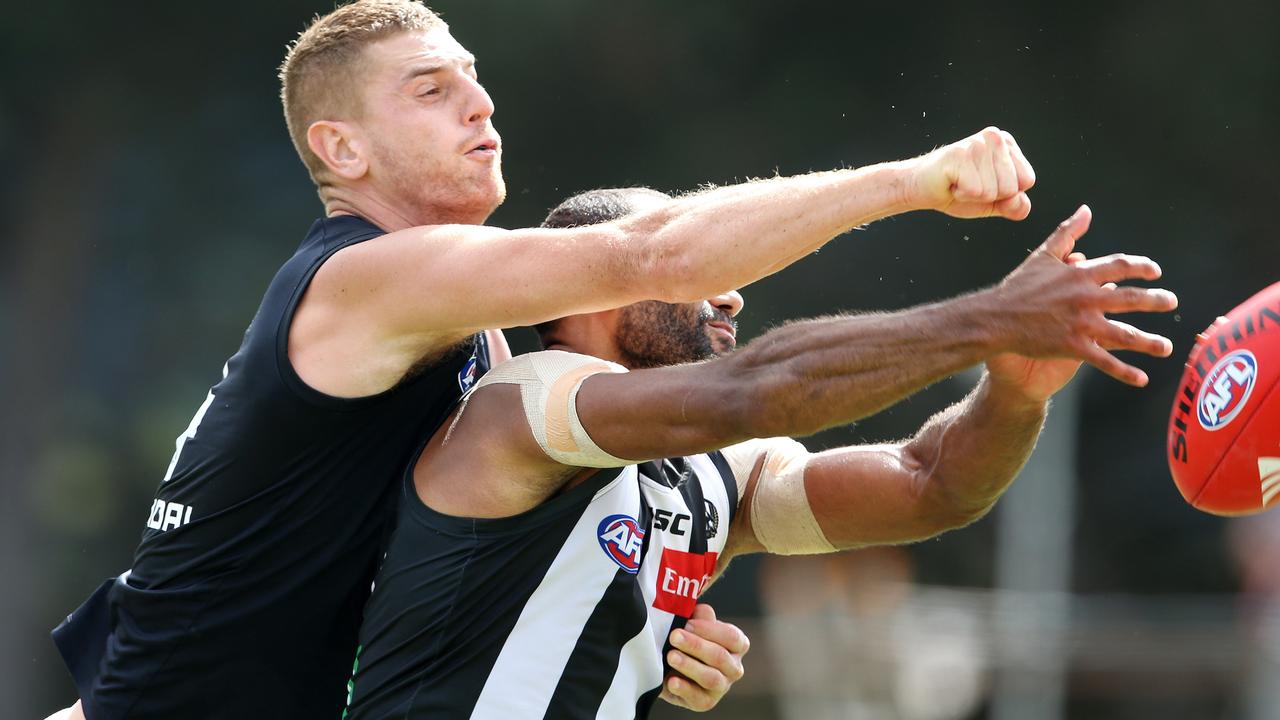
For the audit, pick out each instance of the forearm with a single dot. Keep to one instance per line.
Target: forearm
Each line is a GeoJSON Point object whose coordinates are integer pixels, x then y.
{"type": "Point", "coordinates": [807, 376]}
{"type": "Point", "coordinates": [729, 237]}
{"type": "Point", "coordinates": [967, 455]}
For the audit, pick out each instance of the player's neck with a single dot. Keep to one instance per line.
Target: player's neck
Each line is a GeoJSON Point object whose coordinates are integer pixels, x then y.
{"type": "Point", "coordinates": [388, 215]}
{"type": "Point", "coordinates": [584, 340]}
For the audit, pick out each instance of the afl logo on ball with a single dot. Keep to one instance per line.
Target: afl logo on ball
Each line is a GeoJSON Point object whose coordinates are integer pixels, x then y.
{"type": "Point", "coordinates": [1226, 389]}
{"type": "Point", "coordinates": [622, 540]}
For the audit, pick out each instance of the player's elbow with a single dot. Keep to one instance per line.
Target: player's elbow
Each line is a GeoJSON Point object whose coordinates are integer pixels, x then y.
{"type": "Point", "coordinates": [942, 505]}
{"type": "Point", "coordinates": [674, 272]}
{"type": "Point", "coordinates": [958, 513]}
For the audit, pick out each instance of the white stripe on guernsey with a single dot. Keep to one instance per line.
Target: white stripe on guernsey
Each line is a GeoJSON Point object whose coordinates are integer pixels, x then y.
{"type": "Point", "coordinates": [639, 670]}
{"type": "Point", "coordinates": [549, 625]}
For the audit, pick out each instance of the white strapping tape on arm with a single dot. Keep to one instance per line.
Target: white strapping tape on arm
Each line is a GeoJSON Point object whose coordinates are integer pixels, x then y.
{"type": "Point", "coordinates": [781, 517]}
{"type": "Point", "coordinates": [549, 382]}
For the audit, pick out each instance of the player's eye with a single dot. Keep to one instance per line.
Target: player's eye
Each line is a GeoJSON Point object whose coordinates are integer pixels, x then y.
{"type": "Point", "coordinates": [425, 86]}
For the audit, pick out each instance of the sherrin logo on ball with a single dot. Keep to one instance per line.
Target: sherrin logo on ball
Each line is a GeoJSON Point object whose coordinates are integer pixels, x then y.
{"type": "Point", "coordinates": [1226, 389]}
{"type": "Point", "coordinates": [622, 540]}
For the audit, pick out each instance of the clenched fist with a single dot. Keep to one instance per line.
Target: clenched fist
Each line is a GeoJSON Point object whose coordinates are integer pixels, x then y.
{"type": "Point", "coordinates": [983, 175]}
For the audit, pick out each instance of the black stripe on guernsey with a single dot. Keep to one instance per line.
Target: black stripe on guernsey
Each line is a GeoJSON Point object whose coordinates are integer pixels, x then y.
{"type": "Point", "coordinates": [619, 616]}
{"type": "Point", "coordinates": [655, 471]}
{"type": "Point", "coordinates": [730, 485]}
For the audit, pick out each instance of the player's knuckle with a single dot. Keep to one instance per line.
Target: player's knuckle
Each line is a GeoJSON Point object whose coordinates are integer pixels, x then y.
{"type": "Point", "coordinates": [1078, 344]}
{"type": "Point", "coordinates": [701, 647]}
{"type": "Point", "coordinates": [1132, 296]}
{"type": "Point", "coordinates": [720, 657]}
{"type": "Point", "coordinates": [1082, 303]}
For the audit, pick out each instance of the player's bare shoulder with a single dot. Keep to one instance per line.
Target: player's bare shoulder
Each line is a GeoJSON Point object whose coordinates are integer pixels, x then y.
{"type": "Point", "coordinates": [345, 338]}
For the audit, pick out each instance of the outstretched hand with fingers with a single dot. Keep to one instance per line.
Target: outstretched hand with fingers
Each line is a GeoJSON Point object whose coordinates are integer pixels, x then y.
{"type": "Point", "coordinates": [1052, 313]}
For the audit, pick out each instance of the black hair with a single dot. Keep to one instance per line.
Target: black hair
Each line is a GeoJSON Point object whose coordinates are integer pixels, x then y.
{"type": "Point", "coordinates": [597, 206]}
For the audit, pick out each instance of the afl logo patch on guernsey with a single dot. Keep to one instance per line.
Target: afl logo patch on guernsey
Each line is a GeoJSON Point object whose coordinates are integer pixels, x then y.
{"type": "Point", "coordinates": [622, 540]}
{"type": "Point", "coordinates": [1226, 389]}
{"type": "Point", "coordinates": [467, 375]}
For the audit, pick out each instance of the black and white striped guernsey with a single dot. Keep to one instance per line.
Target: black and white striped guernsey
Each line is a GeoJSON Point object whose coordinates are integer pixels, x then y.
{"type": "Point", "coordinates": [559, 612]}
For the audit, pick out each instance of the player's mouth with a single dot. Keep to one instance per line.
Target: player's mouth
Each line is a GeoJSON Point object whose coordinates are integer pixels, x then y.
{"type": "Point", "coordinates": [729, 332]}
{"type": "Point", "coordinates": [486, 148]}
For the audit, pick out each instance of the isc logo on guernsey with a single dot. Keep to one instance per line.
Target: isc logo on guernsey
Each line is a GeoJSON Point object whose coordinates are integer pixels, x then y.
{"type": "Point", "coordinates": [622, 540]}
{"type": "Point", "coordinates": [1226, 389]}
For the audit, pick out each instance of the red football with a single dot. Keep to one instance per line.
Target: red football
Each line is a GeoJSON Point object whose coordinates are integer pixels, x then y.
{"type": "Point", "coordinates": [1224, 433]}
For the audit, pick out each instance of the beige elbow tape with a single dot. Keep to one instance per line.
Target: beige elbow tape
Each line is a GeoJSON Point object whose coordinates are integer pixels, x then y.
{"type": "Point", "coordinates": [549, 382]}
{"type": "Point", "coordinates": [781, 516]}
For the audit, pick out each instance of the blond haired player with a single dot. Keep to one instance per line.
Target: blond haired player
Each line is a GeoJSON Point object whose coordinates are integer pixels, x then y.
{"type": "Point", "coordinates": [267, 525]}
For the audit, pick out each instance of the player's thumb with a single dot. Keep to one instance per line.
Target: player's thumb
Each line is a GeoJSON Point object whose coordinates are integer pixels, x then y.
{"type": "Point", "coordinates": [1064, 237]}
{"type": "Point", "coordinates": [1017, 207]}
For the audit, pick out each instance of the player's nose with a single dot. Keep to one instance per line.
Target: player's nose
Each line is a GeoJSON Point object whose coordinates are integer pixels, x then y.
{"type": "Point", "coordinates": [479, 104]}
{"type": "Point", "coordinates": [730, 302]}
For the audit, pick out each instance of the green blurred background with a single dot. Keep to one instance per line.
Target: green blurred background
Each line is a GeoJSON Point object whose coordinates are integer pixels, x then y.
{"type": "Point", "coordinates": [151, 192]}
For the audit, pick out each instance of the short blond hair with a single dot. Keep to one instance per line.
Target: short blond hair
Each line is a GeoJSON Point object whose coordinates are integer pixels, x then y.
{"type": "Point", "coordinates": [319, 78]}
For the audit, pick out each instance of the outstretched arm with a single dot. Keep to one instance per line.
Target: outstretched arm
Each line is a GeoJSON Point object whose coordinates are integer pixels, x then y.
{"type": "Point", "coordinates": [807, 376]}
{"type": "Point", "coordinates": [947, 476]}
{"type": "Point", "coordinates": [688, 249]}
{"type": "Point", "coordinates": [376, 308]}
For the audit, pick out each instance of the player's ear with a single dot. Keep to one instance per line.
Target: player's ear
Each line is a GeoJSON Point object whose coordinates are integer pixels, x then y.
{"type": "Point", "coordinates": [340, 147]}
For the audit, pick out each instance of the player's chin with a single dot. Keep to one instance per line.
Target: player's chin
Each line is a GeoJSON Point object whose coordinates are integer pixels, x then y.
{"type": "Point", "coordinates": [485, 193]}
{"type": "Point", "coordinates": [495, 188]}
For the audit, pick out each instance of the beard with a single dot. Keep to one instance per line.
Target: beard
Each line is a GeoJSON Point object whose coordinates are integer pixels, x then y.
{"type": "Point", "coordinates": [654, 334]}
